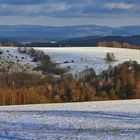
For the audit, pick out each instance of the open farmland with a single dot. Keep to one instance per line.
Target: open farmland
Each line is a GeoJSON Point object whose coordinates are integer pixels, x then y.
{"type": "Point", "coordinates": [80, 58]}
{"type": "Point", "coordinates": [111, 120]}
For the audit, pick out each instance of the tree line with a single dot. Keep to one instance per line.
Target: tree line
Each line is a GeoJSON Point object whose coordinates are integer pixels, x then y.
{"type": "Point", "coordinates": [119, 82]}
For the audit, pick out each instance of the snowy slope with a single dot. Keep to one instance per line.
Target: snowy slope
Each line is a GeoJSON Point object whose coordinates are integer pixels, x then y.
{"type": "Point", "coordinates": [111, 120]}
{"type": "Point", "coordinates": [86, 57]}
{"type": "Point", "coordinates": [73, 58]}
{"type": "Point", "coordinates": [10, 56]}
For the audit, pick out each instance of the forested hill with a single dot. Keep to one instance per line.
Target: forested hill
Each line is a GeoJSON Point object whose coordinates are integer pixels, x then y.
{"type": "Point", "coordinates": [94, 40]}
{"type": "Point", "coordinates": [108, 41]}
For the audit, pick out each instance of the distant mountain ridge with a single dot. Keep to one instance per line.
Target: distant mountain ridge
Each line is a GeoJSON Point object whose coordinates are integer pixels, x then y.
{"type": "Point", "coordinates": [47, 33]}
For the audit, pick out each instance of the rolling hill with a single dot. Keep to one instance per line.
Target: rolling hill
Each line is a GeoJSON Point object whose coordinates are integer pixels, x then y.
{"type": "Point", "coordinates": [72, 58]}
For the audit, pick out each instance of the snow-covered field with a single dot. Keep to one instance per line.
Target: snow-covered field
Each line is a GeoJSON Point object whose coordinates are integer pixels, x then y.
{"type": "Point", "coordinates": [76, 59]}
{"type": "Point", "coordinates": [80, 58]}
{"type": "Point", "coordinates": [111, 120]}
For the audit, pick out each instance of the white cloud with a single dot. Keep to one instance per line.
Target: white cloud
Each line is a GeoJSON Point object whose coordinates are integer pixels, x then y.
{"type": "Point", "coordinates": [57, 7]}
{"type": "Point", "coordinates": [47, 8]}
{"type": "Point", "coordinates": [121, 5]}
{"type": "Point", "coordinates": [20, 9]}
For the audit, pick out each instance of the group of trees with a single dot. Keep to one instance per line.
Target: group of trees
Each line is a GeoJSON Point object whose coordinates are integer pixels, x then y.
{"type": "Point", "coordinates": [120, 82]}
{"type": "Point", "coordinates": [46, 65]}
{"type": "Point", "coordinates": [115, 44]}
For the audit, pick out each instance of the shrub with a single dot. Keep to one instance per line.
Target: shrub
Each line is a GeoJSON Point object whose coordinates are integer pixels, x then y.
{"type": "Point", "coordinates": [110, 57]}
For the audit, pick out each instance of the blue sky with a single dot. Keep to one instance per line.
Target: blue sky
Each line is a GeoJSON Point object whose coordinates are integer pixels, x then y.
{"type": "Point", "coordinates": [70, 12]}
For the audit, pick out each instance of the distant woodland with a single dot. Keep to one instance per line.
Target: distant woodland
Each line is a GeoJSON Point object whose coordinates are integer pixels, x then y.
{"type": "Point", "coordinates": [107, 41]}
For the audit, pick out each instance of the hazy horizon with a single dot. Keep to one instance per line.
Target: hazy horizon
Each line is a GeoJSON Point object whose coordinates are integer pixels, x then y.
{"type": "Point", "coordinates": [66, 25]}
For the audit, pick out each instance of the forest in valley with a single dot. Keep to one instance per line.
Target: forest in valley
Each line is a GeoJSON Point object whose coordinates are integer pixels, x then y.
{"type": "Point", "coordinates": [54, 85]}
